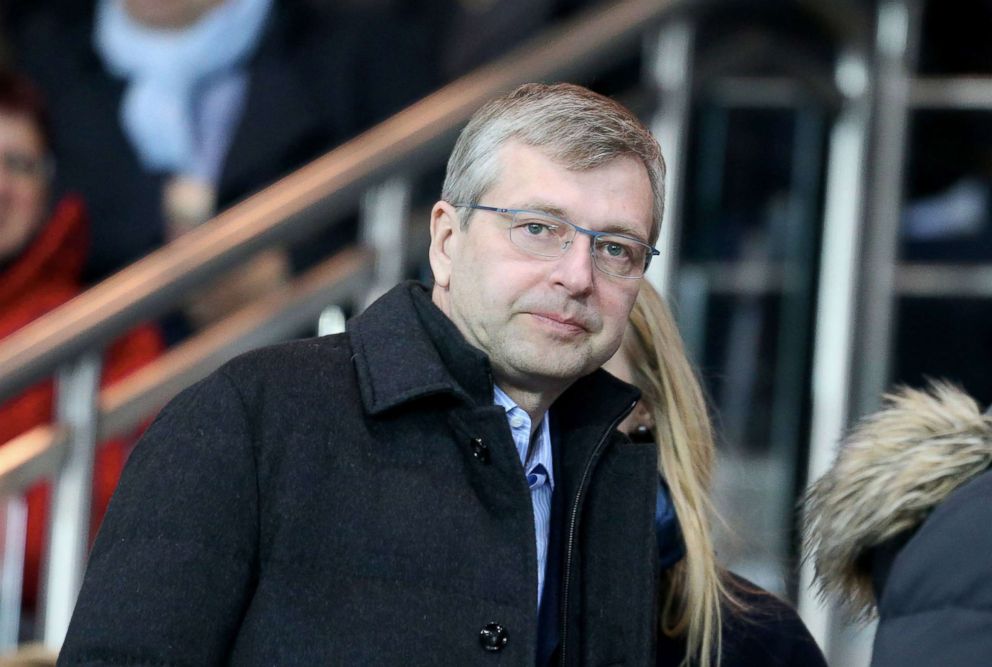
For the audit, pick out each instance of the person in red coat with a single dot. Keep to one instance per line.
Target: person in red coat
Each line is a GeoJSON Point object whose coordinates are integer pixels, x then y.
{"type": "Point", "coordinates": [42, 252]}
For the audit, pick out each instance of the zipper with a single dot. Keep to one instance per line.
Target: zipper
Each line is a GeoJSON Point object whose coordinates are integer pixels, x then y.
{"type": "Point", "coordinates": [583, 483]}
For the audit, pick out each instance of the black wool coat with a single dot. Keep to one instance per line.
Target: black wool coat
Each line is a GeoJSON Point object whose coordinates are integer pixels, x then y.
{"type": "Point", "coordinates": [357, 500]}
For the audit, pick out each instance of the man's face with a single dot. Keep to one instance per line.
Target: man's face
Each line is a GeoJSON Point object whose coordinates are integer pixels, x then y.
{"type": "Point", "coordinates": [543, 323]}
{"type": "Point", "coordinates": [169, 14]}
{"type": "Point", "coordinates": [23, 182]}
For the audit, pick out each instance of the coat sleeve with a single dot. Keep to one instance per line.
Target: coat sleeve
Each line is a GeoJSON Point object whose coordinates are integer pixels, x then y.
{"type": "Point", "coordinates": [172, 569]}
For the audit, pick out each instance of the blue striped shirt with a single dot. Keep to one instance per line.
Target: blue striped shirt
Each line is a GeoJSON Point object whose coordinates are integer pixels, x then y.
{"type": "Point", "coordinates": [535, 456]}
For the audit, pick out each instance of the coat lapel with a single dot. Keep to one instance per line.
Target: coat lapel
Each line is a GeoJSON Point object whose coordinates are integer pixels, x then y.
{"type": "Point", "coordinates": [405, 348]}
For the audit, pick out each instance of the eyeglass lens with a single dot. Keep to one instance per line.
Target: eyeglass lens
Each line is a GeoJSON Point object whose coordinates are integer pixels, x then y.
{"type": "Point", "coordinates": [549, 237]}
{"type": "Point", "coordinates": [21, 164]}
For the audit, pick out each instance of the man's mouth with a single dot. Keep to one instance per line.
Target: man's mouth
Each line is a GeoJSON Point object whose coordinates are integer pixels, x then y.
{"type": "Point", "coordinates": [562, 322]}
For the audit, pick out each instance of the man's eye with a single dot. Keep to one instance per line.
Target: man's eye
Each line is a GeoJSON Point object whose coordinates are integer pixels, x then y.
{"type": "Point", "coordinates": [537, 228]}
{"type": "Point", "coordinates": [616, 249]}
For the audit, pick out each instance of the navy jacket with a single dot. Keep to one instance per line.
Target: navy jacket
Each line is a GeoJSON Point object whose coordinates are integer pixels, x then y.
{"type": "Point", "coordinates": [934, 588]}
{"type": "Point", "coordinates": [358, 500]}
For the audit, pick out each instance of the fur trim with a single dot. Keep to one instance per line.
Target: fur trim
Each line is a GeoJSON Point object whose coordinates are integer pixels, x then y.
{"type": "Point", "coordinates": [891, 471]}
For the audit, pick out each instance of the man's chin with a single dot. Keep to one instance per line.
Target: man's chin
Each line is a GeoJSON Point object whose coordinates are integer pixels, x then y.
{"type": "Point", "coordinates": [547, 371]}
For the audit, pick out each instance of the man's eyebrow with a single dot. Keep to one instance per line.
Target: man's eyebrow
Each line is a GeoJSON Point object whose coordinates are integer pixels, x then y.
{"type": "Point", "coordinates": [625, 230]}
{"type": "Point", "coordinates": [544, 207]}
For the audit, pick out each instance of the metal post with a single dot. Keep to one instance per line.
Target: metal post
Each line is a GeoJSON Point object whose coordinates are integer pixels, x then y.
{"type": "Point", "coordinates": [669, 56]}
{"type": "Point", "coordinates": [385, 214]}
{"type": "Point", "coordinates": [895, 42]}
{"type": "Point", "coordinates": [837, 296]}
{"type": "Point", "coordinates": [851, 372]}
{"type": "Point", "coordinates": [77, 390]}
{"type": "Point", "coordinates": [799, 244]}
{"type": "Point", "coordinates": [13, 530]}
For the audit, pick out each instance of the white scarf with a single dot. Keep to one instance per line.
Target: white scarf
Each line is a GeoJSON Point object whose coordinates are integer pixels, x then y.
{"type": "Point", "coordinates": [172, 74]}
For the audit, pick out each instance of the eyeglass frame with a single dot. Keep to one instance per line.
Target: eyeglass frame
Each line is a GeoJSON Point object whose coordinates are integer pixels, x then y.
{"type": "Point", "coordinates": [588, 232]}
{"type": "Point", "coordinates": [26, 166]}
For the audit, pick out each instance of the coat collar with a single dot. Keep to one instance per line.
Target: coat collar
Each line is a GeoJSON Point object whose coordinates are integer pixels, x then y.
{"type": "Point", "coordinates": [406, 348]}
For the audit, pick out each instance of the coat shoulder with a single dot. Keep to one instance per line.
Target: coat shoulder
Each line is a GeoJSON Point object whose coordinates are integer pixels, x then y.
{"type": "Point", "coordinates": [937, 568]}
{"type": "Point", "coordinates": [305, 361]}
{"type": "Point", "coordinates": [936, 606]}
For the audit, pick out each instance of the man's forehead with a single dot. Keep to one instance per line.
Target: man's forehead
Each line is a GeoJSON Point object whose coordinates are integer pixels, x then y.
{"type": "Point", "coordinates": [516, 191]}
{"type": "Point", "coordinates": [513, 152]}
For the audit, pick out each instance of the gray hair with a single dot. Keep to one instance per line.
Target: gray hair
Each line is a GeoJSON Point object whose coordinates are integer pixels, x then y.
{"type": "Point", "coordinates": [574, 126]}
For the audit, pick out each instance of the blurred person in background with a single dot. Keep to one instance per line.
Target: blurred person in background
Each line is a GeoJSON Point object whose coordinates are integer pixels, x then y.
{"type": "Point", "coordinates": [42, 251]}
{"type": "Point", "coordinates": [900, 527]}
{"type": "Point", "coordinates": [709, 617]}
{"type": "Point", "coordinates": [466, 34]}
{"type": "Point", "coordinates": [167, 111]}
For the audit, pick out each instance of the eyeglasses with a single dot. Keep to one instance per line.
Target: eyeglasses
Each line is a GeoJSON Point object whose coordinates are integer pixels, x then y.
{"type": "Point", "coordinates": [22, 165]}
{"type": "Point", "coordinates": [544, 235]}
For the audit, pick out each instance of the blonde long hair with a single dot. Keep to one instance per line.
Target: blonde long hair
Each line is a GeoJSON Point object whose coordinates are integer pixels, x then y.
{"type": "Point", "coordinates": [694, 589]}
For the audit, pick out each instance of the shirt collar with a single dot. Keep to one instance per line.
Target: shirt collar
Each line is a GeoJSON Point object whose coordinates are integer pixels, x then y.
{"type": "Point", "coordinates": [520, 424]}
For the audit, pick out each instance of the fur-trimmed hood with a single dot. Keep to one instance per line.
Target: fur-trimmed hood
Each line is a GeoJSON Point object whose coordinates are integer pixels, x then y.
{"type": "Point", "coordinates": [891, 471]}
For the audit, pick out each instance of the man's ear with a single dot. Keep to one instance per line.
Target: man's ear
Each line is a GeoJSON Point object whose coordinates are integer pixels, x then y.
{"type": "Point", "coordinates": [445, 233]}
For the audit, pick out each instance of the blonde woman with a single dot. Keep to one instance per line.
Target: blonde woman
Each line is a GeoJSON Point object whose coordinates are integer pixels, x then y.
{"type": "Point", "coordinates": [709, 618]}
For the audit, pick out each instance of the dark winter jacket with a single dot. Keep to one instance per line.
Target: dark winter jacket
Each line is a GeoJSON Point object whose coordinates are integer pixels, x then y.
{"type": "Point", "coordinates": [358, 500]}
{"type": "Point", "coordinates": [901, 526]}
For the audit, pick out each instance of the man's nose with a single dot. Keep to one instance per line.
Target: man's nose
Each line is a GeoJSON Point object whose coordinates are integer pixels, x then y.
{"type": "Point", "coordinates": [574, 270]}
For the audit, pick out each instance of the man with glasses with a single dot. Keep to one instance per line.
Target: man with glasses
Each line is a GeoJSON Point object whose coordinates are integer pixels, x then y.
{"type": "Point", "coordinates": [444, 483]}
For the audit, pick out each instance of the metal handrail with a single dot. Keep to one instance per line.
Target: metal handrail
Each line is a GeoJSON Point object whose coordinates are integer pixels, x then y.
{"type": "Point", "coordinates": [319, 191]}
{"type": "Point", "coordinates": [29, 456]}
{"type": "Point", "coordinates": [126, 404]}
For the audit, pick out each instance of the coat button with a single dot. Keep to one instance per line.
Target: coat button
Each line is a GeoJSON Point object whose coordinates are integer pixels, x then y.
{"type": "Point", "coordinates": [480, 450]}
{"type": "Point", "coordinates": [493, 637]}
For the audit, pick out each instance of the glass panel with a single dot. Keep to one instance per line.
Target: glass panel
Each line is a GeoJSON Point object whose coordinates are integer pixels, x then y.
{"type": "Point", "coordinates": [947, 217]}
{"type": "Point", "coordinates": [955, 38]}
{"type": "Point", "coordinates": [944, 316]}
{"type": "Point", "coordinates": [945, 338]}
{"type": "Point", "coordinates": [744, 297]}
